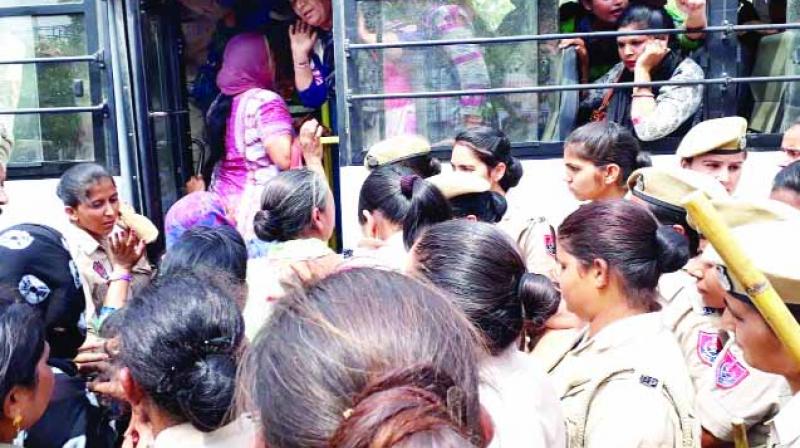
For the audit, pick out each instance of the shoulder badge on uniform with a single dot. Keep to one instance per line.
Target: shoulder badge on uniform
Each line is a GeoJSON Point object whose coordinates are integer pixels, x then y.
{"type": "Point", "coordinates": [648, 381]}
{"type": "Point", "coordinates": [730, 371]}
{"type": "Point", "coordinates": [709, 344]}
{"type": "Point", "coordinates": [98, 268]}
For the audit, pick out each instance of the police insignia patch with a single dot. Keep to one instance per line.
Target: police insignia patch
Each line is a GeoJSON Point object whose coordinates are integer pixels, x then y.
{"type": "Point", "coordinates": [97, 266]}
{"type": "Point", "coordinates": [730, 371]}
{"type": "Point", "coordinates": [709, 345]}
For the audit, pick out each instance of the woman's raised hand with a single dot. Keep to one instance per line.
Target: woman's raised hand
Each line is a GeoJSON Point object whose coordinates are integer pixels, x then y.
{"type": "Point", "coordinates": [653, 54]}
{"type": "Point", "coordinates": [125, 250]}
{"type": "Point", "coordinates": [309, 140]}
{"type": "Point", "coordinates": [303, 37]}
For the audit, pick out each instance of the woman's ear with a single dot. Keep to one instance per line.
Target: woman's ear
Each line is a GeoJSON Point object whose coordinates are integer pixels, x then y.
{"type": "Point", "coordinates": [72, 214]}
{"type": "Point", "coordinates": [611, 174]}
{"type": "Point", "coordinates": [679, 229]}
{"type": "Point", "coordinates": [133, 393]}
{"type": "Point", "coordinates": [599, 273]}
{"type": "Point", "coordinates": [370, 227]}
{"type": "Point", "coordinates": [498, 172]}
{"type": "Point", "coordinates": [317, 222]}
{"type": "Point", "coordinates": [472, 218]}
{"type": "Point", "coordinates": [14, 402]}
{"type": "Point", "coordinates": [487, 426]}
{"type": "Point", "coordinates": [587, 5]}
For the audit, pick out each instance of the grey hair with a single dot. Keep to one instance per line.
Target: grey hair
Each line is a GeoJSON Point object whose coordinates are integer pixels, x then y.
{"type": "Point", "coordinates": [73, 187]}
{"type": "Point", "coordinates": [287, 204]}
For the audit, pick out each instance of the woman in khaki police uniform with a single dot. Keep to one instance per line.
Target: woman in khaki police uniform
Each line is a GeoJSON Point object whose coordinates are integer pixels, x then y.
{"type": "Point", "coordinates": [111, 262]}
{"type": "Point", "coordinates": [624, 383]}
{"type": "Point", "coordinates": [732, 388]}
{"type": "Point", "coordinates": [716, 147]}
{"type": "Point", "coordinates": [694, 324]}
{"type": "Point", "coordinates": [772, 247]}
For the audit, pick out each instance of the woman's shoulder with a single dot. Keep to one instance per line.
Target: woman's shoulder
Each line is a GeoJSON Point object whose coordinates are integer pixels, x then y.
{"type": "Point", "coordinates": [689, 69]}
{"type": "Point", "coordinates": [262, 96]}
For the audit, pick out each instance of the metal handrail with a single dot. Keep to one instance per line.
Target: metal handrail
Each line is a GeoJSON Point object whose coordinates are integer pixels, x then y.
{"type": "Point", "coordinates": [558, 36]}
{"type": "Point", "coordinates": [96, 57]}
{"type": "Point", "coordinates": [54, 110]}
{"type": "Point", "coordinates": [563, 88]}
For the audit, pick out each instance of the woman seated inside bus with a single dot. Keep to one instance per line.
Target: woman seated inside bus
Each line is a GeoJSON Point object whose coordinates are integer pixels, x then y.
{"type": "Point", "coordinates": [180, 342]}
{"type": "Point", "coordinates": [651, 113]}
{"type": "Point", "coordinates": [26, 383]}
{"type": "Point", "coordinates": [597, 56]}
{"type": "Point", "coordinates": [373, 359]}
{"type": "Point", "coordinates": [296, 219]}
{"type": "Point", "coordinates": [250, 130]}
{"type": "Point", "coordinates": [111, 261]}
{"type": "Point", "coordinates": [598, 158]}
{"type": "Point", "coordinates": [485, 276]}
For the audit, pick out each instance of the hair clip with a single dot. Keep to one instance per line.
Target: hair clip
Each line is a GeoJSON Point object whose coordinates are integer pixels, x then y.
{"type": "Point", "coordinates": [347, 413]}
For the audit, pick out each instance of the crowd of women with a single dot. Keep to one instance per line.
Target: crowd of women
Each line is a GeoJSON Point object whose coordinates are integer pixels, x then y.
{"type": "Point", "coordinates": [458, 320]}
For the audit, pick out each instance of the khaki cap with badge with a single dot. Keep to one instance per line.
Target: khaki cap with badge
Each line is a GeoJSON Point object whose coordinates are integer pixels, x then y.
{"type": "Point", "coordinates": [144, 228]}
{"type": "Point", "coordinates": [396, 149]}
{"type": "Point", "coordinates": [454, 184]}
{"type": "Point", "coordinates": [666, 187]}
{"type": "Point", "coordinates": [772, 246]}
{"type": "Point", "coordinates": [716, 135]}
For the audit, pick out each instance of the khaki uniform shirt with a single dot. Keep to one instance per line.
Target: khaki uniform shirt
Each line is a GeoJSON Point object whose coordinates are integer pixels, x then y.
{"type": "Point", "coordinates": [95, 268]}
{"type": "Point", "coordinates": [535, 238]}
{"type": "Point", "coordinates": [695, 325]}
{"type": "Point", "coordinates": [627, 386]}
{"type": "Point", "coordinates": [785, 427]}
{"type": "Point", "coordinates": [733, 389]}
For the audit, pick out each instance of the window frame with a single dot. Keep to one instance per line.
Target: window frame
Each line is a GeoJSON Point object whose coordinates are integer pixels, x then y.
{"type": "Point", "coordinates": [723, 57]}
{"type": "Point", "coordinates": [100, 90]}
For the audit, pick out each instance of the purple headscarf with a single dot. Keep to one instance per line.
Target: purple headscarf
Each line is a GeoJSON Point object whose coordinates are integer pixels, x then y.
{"type": "Point", "coordinates": [246, 64]}
{"type": "Point", "coordinates": [201, 208]}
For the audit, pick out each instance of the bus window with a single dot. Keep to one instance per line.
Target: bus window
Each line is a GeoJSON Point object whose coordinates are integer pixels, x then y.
{"type": "Point", "coordinates": [46, 137]}
{"type": "Point", "coordinates": [523, 116]}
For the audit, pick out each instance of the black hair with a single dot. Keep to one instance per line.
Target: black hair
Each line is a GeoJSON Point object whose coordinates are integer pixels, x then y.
{"type": "Point", "coordinates": [604, 143]}
{"type": "Point", "coordinates": [22, 342]}
{"type": "Point", "coordinates": [382, 191]}
{"type": "Point", "coordinates": [216, 127]}
{"type": "Point", "coordinates": [428, 206]}
{"type": "Point", "coordinates": [486, 206]}
{"type": "Point", "coordinates": [73, 187]}
{"type": "Point", "coordinates": [628, 237]}
{"type": "Point", "coordinates": [219, 248]}
{"type": "Point", "coordinates": [424, 165]}
{"type": "Point", "coordinates": [181, 340]}
{"type": "Point", "coordinates": [492, 147]}
{"type": "Point", "coordinates": [287, 204]}
{"type": "Point", "coordinates": [646, 17]}
{"type": "Point", "coordinates": [670, 216]}
{"type": "Point", "coordinates": [788, 178]}
{"type": "Point", "coordinates": [364, 354]}
{"type": "Point", "coordinates": [484, 273]}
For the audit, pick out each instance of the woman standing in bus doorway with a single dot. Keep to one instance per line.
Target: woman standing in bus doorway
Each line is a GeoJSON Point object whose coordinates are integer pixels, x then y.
{"type": "Point", "coordinates": [651, 113]}
{"type": "Point", "coordinates": [250, 130]}
{"type": "Point", "coordinates": [312, 51]}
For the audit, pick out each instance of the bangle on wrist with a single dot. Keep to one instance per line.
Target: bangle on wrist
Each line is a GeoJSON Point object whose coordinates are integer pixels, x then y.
{"type": "Point", "coordinates": [120, 276]}
{"type": "Point", "coordinates": [643, 95]}
{"type": "Point", "coordinates": [303, 64]}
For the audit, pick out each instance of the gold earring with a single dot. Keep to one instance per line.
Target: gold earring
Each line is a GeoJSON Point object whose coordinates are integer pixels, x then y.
{"type": "Point", "coordinates": [19, 439]}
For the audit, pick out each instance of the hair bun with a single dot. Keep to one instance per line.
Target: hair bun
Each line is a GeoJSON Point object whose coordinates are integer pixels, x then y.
{"type": "Point", "coordinates": [673, 249]}
{"type": "Point", "coordinates": [264, 228]}
{"type": "Point", "coordinates": [197, 390]}
{"type": "Point", "coordinates": [399, 405]}
{"type": "Point", "coordinates": [407, 183]}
